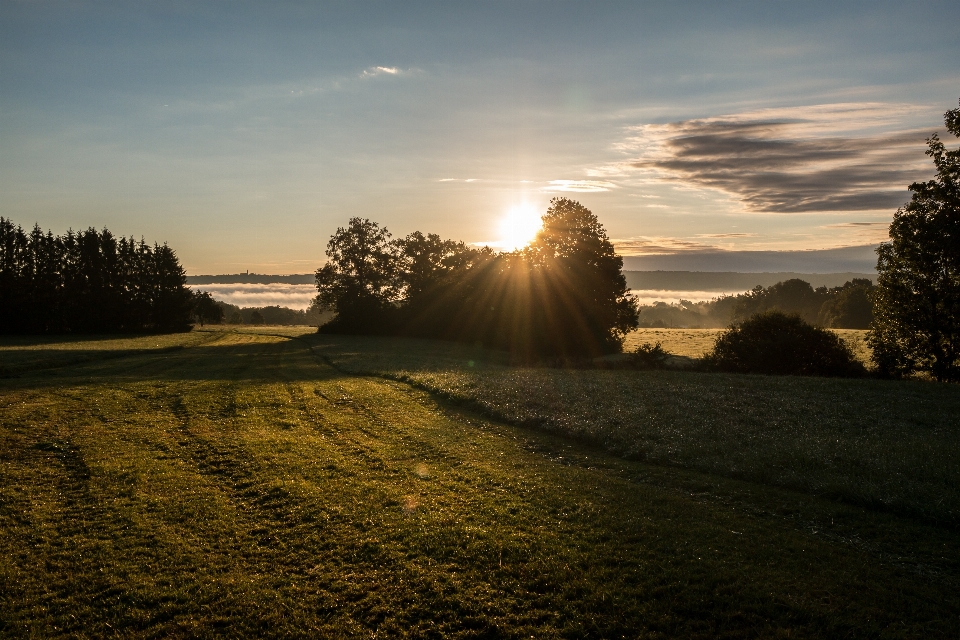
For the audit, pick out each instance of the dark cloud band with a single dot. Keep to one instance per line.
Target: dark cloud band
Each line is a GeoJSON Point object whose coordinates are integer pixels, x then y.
{"type": "Point", "coordinates": [777, 167]}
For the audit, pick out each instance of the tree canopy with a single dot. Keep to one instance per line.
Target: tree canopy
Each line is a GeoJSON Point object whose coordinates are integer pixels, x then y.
{"type": "Point", "coordinates": [360, 278]}
{"type": "Point", "coordinates": [917, 303]}
{"type": "Point", "coordinates": [562, 296]}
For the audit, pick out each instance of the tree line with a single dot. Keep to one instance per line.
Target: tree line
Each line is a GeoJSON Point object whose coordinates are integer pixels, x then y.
{"type": "Point", "coordinates": [562, 296]}
{"type": "Point", "coordinates": [273, 314]}
{"type": "Point", "coordinates": [849, 306]}
{"type": "Point", "coordinates": [88, 282]}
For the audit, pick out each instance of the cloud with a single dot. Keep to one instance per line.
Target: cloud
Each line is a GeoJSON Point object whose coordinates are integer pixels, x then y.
{"type": "Point", "coordinates": [607, 171]}
{"type": "Point", "coordinates": [580, 186]}
{"type": "Point", "coordinates": [726, 235]}
{"type": "Point", "coordinates": [647, 246]}
{"type": "Point", "coordinates": [856, 225]}
{"type": "Point", "coordinates": [821, 158]}
{"type": "Point", "coordinates": [872, 232]}
{"type": "Point", "coordinates": [373, 72]}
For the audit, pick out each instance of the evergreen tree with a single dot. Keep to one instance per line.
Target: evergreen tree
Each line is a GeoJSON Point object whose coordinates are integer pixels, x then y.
{"type": "Point", "coordinates": [88, 281]}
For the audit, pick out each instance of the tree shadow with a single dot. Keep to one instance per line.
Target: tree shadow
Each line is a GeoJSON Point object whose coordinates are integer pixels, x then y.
{"type": "Point", "coordinates": [263, 362]}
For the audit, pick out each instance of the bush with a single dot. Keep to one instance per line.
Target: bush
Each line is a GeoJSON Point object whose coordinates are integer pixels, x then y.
{"type": "Point", "coordinates": [650, 356]}
{"type": "Point", "coordinates": [780, 344]}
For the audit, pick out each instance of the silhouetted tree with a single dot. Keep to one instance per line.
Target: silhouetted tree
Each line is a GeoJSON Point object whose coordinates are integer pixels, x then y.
{"type": "Point", "coordinates": [206, 309]}
{"type": "Point", "coordinates": [789, 296]}
{"type": "Point", "coordinates": [88, 281]}
{"type": "Point", "coordinates": [423, 262]}
{"type": "Point", "coordinates": [565, 296]}
{"type": "Point", "coordinates": [849, 306]}
{"type": "Point", "coordinates": [360, 280]}
{"type": "Point", "coordinates": [579, 286]}
{"type": "Point", "coordinates": [256, 317]}
{"type": "Point", "coordinates": [917, 302]}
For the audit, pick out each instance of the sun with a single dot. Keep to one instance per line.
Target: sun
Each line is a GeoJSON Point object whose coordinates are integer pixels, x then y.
{"type": "Point", "coordinates": [518, 227]}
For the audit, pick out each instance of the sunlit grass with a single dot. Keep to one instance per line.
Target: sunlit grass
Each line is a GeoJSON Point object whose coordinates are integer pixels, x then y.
{"type": "Point", "coordinates": [239, 486]}
{"type": "Point", "coordinates": [693, 343]}
{"type": "Point", "coordinates": [893, 445]}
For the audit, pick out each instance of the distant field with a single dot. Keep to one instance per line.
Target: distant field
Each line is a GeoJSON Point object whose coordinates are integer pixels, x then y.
{"type": "Point", "coordinates": [234, 483]}
{"type": "Point", "coordinates": [695, 342]}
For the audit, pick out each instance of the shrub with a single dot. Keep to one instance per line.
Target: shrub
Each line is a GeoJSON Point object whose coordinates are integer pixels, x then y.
{"type": "Point", "coordinates": [650, 356]}
{"type": "Point", "coordinates": [780, 344]}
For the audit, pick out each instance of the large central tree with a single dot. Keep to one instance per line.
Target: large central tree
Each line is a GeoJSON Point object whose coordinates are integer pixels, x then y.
{"type": "Point", "coordinates": [583, 290]}
{"type": "Point", "coordinates": [563, 296]}
{"type": "Point", "coordinates": [360, 280]}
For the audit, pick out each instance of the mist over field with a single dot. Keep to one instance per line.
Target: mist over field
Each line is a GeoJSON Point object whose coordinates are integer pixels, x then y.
{"type": "Point", "coordinates": [673, 296]}
{"type": "Point", "coordinates": [293, 296]}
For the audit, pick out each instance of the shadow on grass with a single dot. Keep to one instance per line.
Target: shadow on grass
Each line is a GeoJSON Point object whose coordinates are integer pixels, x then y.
{"type": "Point", "coordinates": [286, 360]}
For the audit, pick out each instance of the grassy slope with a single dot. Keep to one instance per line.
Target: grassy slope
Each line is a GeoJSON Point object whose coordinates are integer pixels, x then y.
{"type": "Point", "coordinates": [241, 486]}
{"type": "Point", "coordinates": [894, 445]}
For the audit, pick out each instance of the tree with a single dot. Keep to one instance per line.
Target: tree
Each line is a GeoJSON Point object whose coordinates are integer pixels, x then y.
{"type": "Point", "coordinates": [579, 286]}
{"type": "Point", "coordinates": [360, 280]}
{"type": "Point", "coordinates": [917, 301]}
{"type": "Point", "coordinates": [424, 260]}
{"type": "Point", "coordinates": [206, 309]}
{"type": "Point", "coordinates": [256, 317]}
{"type": "Point", "coordinates": [849, 306]}
{"type": "Point", "coordinates": [789, 296]}
{"type": "Point", "coordinates": [89, 281]}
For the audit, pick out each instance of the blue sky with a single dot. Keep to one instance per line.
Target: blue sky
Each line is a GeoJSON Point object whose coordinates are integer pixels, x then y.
{"type": "Point", "coordinates": [244, 133]}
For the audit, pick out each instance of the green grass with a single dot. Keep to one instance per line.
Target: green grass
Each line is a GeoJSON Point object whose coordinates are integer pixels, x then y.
{"type": "Point", "coordinates": [891, 445]}
{"type": "Point", "coordinates": [240, 486]}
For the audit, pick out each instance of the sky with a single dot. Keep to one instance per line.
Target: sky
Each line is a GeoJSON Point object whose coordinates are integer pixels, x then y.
{"type": "Point", "coordinates": [244, 133]}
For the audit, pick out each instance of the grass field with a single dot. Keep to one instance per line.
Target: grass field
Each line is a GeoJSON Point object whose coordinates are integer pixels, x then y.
{"type": "Point", "coordinates": [693, 343]}
{"type": "Point", "coordinates": [235, 483]}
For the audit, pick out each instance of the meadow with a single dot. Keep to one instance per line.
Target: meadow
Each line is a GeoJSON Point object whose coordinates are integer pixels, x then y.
{"type": "Point", "coordinates": [275, 482]}
{"type": "Point", "coordinates": [693, 343]}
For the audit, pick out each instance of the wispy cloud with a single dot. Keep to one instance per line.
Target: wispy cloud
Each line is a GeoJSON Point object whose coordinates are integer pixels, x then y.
{"type": "Point", "coordinates": [726, 235]}
{"type": "Point", "coordinates": [379, 71]}
{"type": "Point", "coordinates": [580, 186]}
{"type": "Point", "coordinates": [646, 246]}
{"type": "Point", "coordinates": [856, 225]}
{"type": "Point", "coordinates": [607, 171]}
{"type": "Point", "coordinates": [866, 232]}
{"type": "Point", "coordinates": [372, 72]}
{"type": "Point", "coordinates": [844, 157]}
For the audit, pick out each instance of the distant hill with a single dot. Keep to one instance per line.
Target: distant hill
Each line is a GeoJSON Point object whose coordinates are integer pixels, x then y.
{"type": "Point", "coordinates": [731, 281]}
{"type": "Point", "coordinates": [862, 259]}
{"type": "Point", "coordinates": [252, 278]}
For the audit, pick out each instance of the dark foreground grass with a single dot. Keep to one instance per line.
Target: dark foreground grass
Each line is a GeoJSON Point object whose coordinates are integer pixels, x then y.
{"type": "Point", "coordinates": [884, 444]}
{"type": "Point", "coordinates": [241, 487]}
